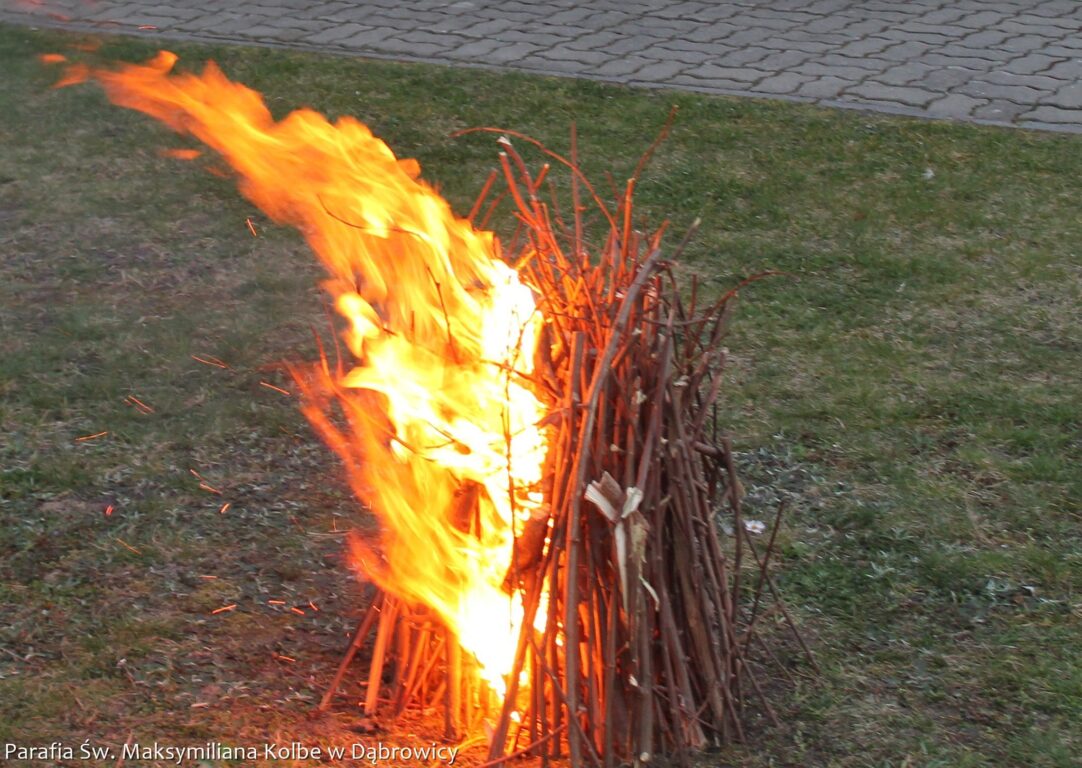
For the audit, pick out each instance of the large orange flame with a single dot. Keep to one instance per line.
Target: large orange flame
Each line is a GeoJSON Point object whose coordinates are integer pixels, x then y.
{"type": "Point", "coordinates": [442, 334]}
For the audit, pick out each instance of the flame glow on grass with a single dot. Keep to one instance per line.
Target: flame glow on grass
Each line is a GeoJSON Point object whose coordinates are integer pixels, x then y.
{"type": "Point", "coordinates": [435, 404]}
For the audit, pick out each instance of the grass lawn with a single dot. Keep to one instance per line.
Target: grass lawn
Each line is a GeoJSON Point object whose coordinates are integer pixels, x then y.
{"type": "Point", "coordinates": [913, 389]}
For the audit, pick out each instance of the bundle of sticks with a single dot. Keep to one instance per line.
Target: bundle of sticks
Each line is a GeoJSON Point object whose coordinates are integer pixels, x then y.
{"type": "Point", "coordinates": [648, 623]}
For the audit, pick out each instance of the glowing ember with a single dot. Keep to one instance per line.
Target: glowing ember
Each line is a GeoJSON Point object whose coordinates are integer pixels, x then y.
{"type": "Point", "coordinates": [442, 334]}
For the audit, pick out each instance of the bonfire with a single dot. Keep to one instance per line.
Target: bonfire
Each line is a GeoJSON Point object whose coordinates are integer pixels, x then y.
{"type": "Point", "coordinates": [534, 427]}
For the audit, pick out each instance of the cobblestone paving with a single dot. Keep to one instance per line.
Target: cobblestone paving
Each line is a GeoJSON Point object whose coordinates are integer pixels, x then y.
{"type": "Point", "coordinates": [1015, 62]}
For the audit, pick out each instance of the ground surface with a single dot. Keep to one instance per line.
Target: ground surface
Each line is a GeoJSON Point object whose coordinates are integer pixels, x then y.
{"type": "Point", "coordinates": [1003, 61]}
{"type": "Point", "coordinates": [912, 388]}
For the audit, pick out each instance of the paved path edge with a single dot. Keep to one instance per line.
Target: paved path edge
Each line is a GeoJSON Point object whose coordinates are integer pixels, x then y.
{"type": "Point", "coordinates": [20, 20]}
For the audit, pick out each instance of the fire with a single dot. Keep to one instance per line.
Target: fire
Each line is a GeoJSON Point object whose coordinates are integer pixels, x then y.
{"type": "Point", "coordinates": [441, 435]}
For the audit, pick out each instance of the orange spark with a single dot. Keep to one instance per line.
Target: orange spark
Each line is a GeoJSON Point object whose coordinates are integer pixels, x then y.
{"type": "Point", "coordinates": [276, 389]}
{"type": "Point", "coordinates": [94, 436]}
{"type": "Point", "coordinates": [280, 657]}
{"type": "Point", "coordinates": [109, 510]}
{"type": "Point", "coordinates": [181, 154]}
{"type": "Point", "coordinates": [276, 602]}
{"type": "Point", "coordinates": [52, 58]}
{"type": "Point", "coordinates": [313, 606]}
{"type": "Point", "coordinates": [224, 609]}
{"type": "Point", "coordinates": [129, 546]}
{"type": "Point", "coordinates": [209, 360]}
{"type": "Point", "coordinates": [225, 508]}
{"type": "Point", "coordinates": [203, 484]}
{"type": "Point", "coordinates": [251, 226]}
{"type": "Point", "coordinates": [138, 404]}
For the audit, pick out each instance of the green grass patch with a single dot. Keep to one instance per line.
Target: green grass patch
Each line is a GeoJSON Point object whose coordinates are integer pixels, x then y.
{"type": "Point", "coordinates": [911, 386]}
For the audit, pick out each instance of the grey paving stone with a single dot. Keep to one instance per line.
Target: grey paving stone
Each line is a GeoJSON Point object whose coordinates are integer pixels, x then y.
{"type": "Point", "coordinates": [490, 27]}
{"type": "Point", "coordinates": [594, 41]}
{"type": "Point", "coordinates": [660, 71]}
{"type": "Point", "coordinates": [320, 10]}
{"type": "Point", "coordinates": [738, 74]}
{"type": "Point", "coordinates": [977, 64]}
{"type": "Point", "coordinates": [989, 53]}
{"type": "Point", "coordinates": [741, 56]}
{"type": "Point", "coordinates": [1052, 115]}
{"type": "Point", "coordinates": [748, 36]}
{"type": "Point", "coordinates": [1050, 28]}
{"type": "Point", "coordinates": [1061, 49]}
{"type": "Point", "coordinates": [829, 23]}
{"type": "Point", "coordinates": [235, 25]}
{"type": "Point", "coordinates": [920, 28]}
{"type": "Point", "coordinates": [867, 63]}
{"type": "Point", "coordinates": [982, 19]}
{"type": "Point", "coordinates": [955, 105]}
{"type": "Point", "coordinates": [624, 66]}
{"type": "Point", "coordinates": [174, 12]}
{"type": "Point", "coordinates": [474, 50]}
{"type": "Point", "coordinates": [207, 22]}
{"type": "Point", "coordinates": [274, 32]}
{"type": "Point", "coordinates": [563, 53]}
{"type": "Point", "coordinates": [407, 48]}
{"type": "Point", "coordinates": [875, 105]}
{"type": "Point", "coordinates": [946, 15]}
{"type": "Point", "coordinates": [537, 38]}
{"type": "Point", "coordinates": [1069, 97]}
{"type": "Point", "coordinates": [1034, 62]}
{"type": "Point", "coordinates": [905, 73]}
{"type": "Point", "coordinates": [335, 33]}
{"type": "Point", "coordinates": [774, 21]}
{"type": "Point", "coordinates": [1040, 82]}
{"type": "Point", "coordinates": [910, 50]}
{"type": "Point", "coordinates": [1068, 70]}
{"type": "Point", "coordinates": [716, 85]}
{"type": "Point", "coordinates": [782, 60]}
{"type": "Point", "coordinates": [553, 66]}
{"type": "Point", "coordinates": [1024, 43]}
{"type": "Point", "coordinates": [853, 74]}
{"type": "Point", "coordinates": [910, 97]}
{"type": "Point", "coordinates": [1000, 111]}
{"type": "Point", "coordinates": [865, 45]}
{"type": "Point", "coordinates": [1018, 93]}
{"type": "Point", "coordinates": [509, 53]}
{"type": "Point", "coordinates": [262, 9]}
{"type": "Point", "coordinates": [786, 82]}
{"type": "Point", "coordinates": [629, 44]}
{"type": "Point", "coordinates": [824, 87]}
{"type": "Point", "coordinates": [984, 38]}
{"type": "Point", "coordinates": [440, 39]}
{"type": "Point", "coordinates": [685, 45]}
{"type": "Point", "coordinates": [668, 54]}
{"type": "Point", "coordinates": [867, 27]}
{"type": "Point", "coordinates": [946, 78]}
{"type": "Point", "coordinates": [368, 37]}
